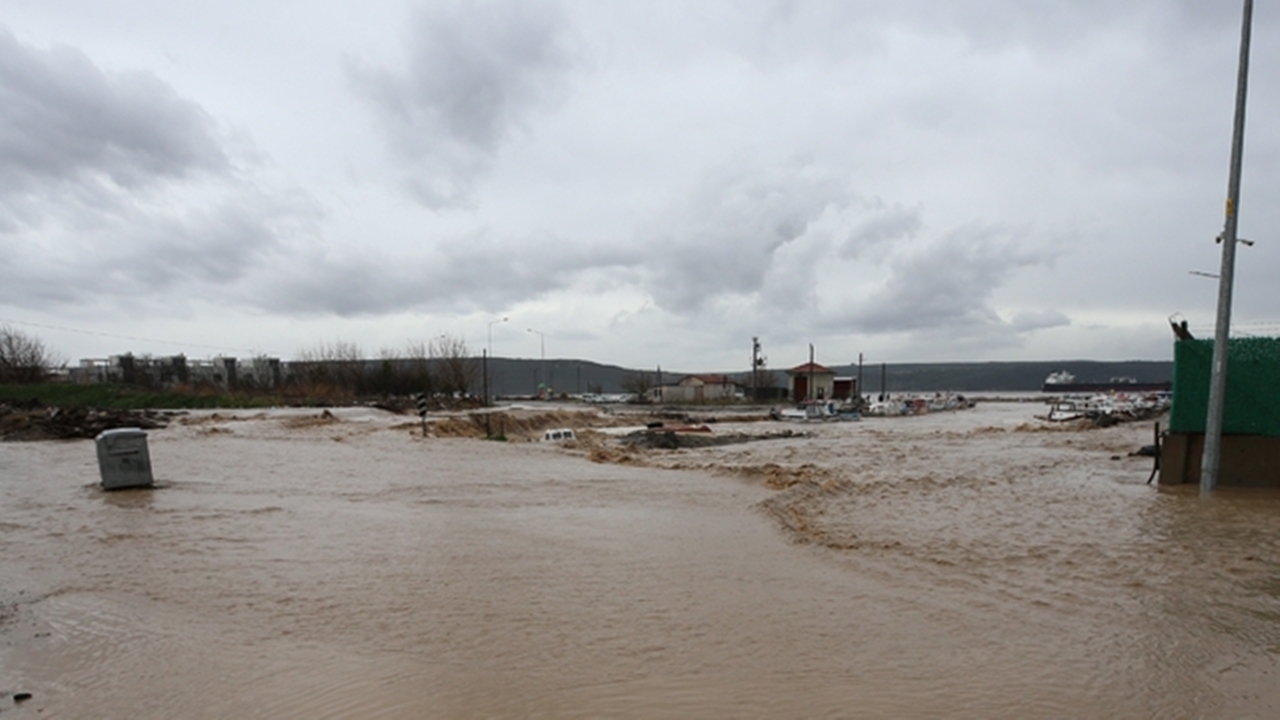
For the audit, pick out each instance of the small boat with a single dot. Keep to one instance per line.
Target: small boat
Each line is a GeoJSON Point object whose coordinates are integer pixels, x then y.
{"type": "Point", "coordinates": [816, 411]}
{"type": "Point", "coordinates": [1065, 411]}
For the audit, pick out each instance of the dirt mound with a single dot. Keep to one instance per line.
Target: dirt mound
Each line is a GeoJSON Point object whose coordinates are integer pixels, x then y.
{"type": "Point", "coordinates": [471, 426]}
{"type": "Point", "coordinates": [519, 425]}
{"type": "Point", "coordinates": [32, 421]}
{"type": "Point", "coordinates": [780, 477]}
{"type": "Point", "coordinates": [661, 439]}
{"type": "Point", "coordinates": [324, 418]}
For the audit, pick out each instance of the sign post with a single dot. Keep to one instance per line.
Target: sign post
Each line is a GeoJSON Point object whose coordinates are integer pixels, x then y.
{"type": "Point", "coordinates": [421, 399]}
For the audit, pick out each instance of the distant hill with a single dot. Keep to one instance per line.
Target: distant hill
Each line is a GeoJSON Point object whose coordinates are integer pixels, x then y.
{"type": "Point", "coordinates": [519, 377]}
{"type": "Point", "coordinates": [1001, 376]}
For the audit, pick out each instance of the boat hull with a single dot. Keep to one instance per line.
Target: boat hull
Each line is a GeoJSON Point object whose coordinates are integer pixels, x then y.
{"type": "Point", "coordinates": [1103, 387]}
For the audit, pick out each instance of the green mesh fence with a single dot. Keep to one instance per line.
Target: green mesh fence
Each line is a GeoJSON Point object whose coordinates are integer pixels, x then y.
{"type": "Point", "coordinates": [1252, 404]}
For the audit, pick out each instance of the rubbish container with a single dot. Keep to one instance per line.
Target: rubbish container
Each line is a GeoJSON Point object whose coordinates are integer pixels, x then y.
{"type": "Point", "coordinates": [123, 458]}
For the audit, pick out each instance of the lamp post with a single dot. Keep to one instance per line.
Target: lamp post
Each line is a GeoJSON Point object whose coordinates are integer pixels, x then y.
{"type": "Point", "coordinates": [491, 324]}
{"type": "Point", "coordinates": [542, 363]}
{"type": "Point", "coordinates": [488, 354]}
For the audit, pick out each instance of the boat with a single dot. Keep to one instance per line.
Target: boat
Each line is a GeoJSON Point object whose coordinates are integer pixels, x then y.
{"type": "Point", "coordinates": [1064, 383]}
{"type": "Point", "coordinates": [1065, 411]}
{"type": "Point", "coordinates": [816, 411]}
{"type": "Point", "coordinates": [1108, 408]}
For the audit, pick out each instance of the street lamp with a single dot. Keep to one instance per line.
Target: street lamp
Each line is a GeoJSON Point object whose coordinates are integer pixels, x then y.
{"type": "Point", "coordinates": [491, 324]}
{"type": "Point", "coordinates": [488, 354]}
{"type": "Point", "coordinates": [542, 363]}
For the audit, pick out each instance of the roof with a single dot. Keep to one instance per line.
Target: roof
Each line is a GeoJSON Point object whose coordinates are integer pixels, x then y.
{"type": "Point", "coordinates": [709, 379]}
{"type": "Point", "coordinates": [814, 368]}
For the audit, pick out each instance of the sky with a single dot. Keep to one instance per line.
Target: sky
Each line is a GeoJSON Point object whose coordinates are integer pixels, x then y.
{"type": "Point", "coordinates": [635, 183]}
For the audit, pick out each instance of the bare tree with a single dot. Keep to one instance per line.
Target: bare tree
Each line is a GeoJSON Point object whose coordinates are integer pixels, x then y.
{"type": "Point", "coordinates": [457, 369]}
{"type": "Point", "coordinates": [23, 357]}
{"type": "Point", "coordinates": [421, 377]}
{"type": "Point", "coordinates": [768, 379]}
{"type": "Point", "coordinates": [336, 364]}
{"type": "Point", "coordinates": [638, 384]}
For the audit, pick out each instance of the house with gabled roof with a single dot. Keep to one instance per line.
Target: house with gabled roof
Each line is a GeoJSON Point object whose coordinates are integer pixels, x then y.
{"type": "Point", "coordinates": [811, 381]}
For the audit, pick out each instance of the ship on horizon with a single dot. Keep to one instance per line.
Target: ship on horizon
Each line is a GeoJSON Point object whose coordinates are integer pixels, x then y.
{"type": "Point", "coordinates": [1063, 382]}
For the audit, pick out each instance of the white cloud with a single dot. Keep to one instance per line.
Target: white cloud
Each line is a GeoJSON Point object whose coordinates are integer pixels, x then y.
{"type": "Point", "coordinates": [473, 74]}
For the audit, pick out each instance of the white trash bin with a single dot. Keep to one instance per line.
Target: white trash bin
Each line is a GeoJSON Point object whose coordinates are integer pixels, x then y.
{"type": "Point", "coordinates": [123, 459]}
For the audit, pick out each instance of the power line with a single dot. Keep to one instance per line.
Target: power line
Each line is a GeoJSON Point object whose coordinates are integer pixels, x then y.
{"type": "Point", "coordinates": [126, 337]}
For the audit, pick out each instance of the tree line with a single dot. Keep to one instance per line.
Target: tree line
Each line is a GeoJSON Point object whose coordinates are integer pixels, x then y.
{"type": "Point", "coordinates": [442, 366]}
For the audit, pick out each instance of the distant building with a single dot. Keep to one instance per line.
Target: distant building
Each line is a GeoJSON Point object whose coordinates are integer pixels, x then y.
{"type": "Point", "coordinates": [166, 372]}
{"type": "Point", "coordinates": [845, 388]}
{"type": "Point", "coordinates": [698, 388]}
{"type": "Point", "coordinates": [823, 381]}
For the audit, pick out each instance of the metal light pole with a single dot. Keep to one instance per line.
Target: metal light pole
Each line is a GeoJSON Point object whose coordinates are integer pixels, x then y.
{"type": "Point", "coordinates": [491, 324]}
{"type": "Point", "coordinates": [489, 354]}
{"type": "Point", "coordinates": [542, 363]}
{"type": "Point", "coordinates": [1210, 461]}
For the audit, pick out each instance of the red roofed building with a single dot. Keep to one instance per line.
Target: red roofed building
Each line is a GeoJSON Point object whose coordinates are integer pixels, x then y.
{"type": "Point", "coordinates": [812, 381]}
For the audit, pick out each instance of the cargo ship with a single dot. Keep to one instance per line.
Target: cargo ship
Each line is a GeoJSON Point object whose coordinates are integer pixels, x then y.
{"type": "Point", "coordinates": [1064, 383]}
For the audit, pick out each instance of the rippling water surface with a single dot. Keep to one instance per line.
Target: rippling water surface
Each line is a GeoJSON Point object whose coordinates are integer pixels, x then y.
{"type": "Point", "coordinates": [965, 564]}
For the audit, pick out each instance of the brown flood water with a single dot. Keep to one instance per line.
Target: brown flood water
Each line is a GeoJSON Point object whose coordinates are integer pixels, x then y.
{"type": "Point", "coordinates": [956, 565]}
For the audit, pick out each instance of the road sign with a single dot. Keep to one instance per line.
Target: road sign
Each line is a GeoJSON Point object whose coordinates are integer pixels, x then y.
{"type": "Point", "coordinates": [421, 400]}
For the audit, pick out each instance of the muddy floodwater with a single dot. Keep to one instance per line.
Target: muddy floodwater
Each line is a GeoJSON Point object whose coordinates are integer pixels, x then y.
{"type": "Point", "coordinates": [968, 564]}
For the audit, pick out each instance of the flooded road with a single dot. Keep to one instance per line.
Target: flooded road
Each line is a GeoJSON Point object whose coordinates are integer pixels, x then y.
{"type": "Point", "coordinates": [960, 565]}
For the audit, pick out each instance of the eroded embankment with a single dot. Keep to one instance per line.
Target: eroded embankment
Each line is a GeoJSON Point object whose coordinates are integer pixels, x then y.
{"type": "Point", "coordinates": [31, 420]}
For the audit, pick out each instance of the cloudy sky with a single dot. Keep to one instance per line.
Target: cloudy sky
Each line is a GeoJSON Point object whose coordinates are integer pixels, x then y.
{"type": "Point", "coordinates": [639, 183]}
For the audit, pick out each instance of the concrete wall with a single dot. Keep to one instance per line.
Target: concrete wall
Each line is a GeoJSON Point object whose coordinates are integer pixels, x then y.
{"type": "Point", "coordinates": [693, 392]}
{"type": "Point", "coordinates": [1246, 460]}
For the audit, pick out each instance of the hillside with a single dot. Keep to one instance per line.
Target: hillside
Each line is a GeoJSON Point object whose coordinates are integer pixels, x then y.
{"type": "Point", "coordinates": [519, 377]}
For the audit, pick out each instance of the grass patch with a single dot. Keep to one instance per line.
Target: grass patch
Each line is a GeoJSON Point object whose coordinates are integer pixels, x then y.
{"type": "Point", "coordinates": [122, 397]}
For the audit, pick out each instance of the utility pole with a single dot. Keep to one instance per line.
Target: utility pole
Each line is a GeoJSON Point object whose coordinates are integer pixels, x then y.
{"type": "Point", "coordinates": [859, 377]}
{"type": "Point", "coordinates": [542, 363]}
{"type": "Point", "coordinates": [1211, 460]}
{"type": "Point", "coordinates": [809, 390]}
{"type": "Point", "coordinates": [755, 368]}
{"type": "Point", "coordinates": [489, 354]}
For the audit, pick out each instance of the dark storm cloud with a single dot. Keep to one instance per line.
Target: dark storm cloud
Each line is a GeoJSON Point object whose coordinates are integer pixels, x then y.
{"type": "Point", "coordinates": [64, 121]}
{"type": "Point", "coordinates": [142, 254]}
{"type": "Point", "coordinates": [112, 185]}
{"type": "Point", "coordinates": [474, 72]}
{"type": "Point", "coordinates": [949, 282]}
